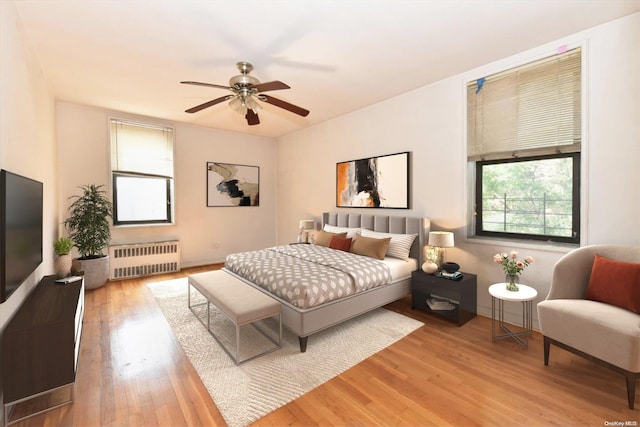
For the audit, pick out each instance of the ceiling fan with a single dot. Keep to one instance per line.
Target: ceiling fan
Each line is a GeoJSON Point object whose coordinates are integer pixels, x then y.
{"type": "Point", "coordinates": [247, 91]}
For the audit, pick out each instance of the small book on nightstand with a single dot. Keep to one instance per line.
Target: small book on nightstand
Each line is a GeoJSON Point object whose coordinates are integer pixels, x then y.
{"type": "Point", "coordinates": [451, 276]}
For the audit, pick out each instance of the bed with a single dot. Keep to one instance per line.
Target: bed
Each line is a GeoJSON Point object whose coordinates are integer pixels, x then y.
{"type": "Point", "coordinates": [314, 315]}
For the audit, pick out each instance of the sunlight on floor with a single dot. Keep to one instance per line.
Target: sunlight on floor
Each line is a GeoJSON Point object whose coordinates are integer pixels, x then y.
{"type": "Point", "coordinates": [137, 349]}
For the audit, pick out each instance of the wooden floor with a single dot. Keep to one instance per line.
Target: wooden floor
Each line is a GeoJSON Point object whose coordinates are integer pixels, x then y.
{"type": "Point", "coordinates": [133, 372]}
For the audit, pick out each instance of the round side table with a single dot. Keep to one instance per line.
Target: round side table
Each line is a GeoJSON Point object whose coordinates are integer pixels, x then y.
{"type": "Point", "coordinates": [525, 295]}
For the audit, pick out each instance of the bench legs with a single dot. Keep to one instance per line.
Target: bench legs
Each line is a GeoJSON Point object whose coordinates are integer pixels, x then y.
{"type": "Point", "coordinates": [277, 343]}
{"type": "Point", "coordinates": [631, 377]}
{"type": "Point", "coordinates": [236, 356]}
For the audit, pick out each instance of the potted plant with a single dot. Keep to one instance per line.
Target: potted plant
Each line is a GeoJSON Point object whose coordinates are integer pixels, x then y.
{"type": "Point", "coordinates": [62, 248]}
{"type": "Point", "coordinates": [89, 228]}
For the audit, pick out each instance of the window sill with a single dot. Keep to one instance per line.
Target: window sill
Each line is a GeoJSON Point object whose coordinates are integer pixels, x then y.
{"type": "Point", "coordinates": [158, 224]}
{"type": "Point", "coordinates": [555, 247]}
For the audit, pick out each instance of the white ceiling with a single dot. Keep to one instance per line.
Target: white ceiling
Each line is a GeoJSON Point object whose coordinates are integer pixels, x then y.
{"type": "Point", "coordinates": [337, 55]}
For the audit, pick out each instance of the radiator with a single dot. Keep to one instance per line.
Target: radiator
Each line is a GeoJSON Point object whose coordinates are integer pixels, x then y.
{"type": "Point", "coordinates": [143, 259]}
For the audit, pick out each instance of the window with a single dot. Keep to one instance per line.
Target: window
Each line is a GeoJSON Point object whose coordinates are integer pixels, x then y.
{"type": "Point", "coordinates": [529, 198]}
{"type": "Point", "coordinates": [142, 173]}
{"type": "Point", "coordinates": [524, 139]}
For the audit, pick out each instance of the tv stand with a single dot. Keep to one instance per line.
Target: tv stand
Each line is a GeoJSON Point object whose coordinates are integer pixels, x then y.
{"type": "Point", "coordinates": [40, 345]}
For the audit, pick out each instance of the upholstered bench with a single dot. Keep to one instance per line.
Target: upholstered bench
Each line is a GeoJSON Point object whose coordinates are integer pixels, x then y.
{"type": "Point", "coordinates": [239, 302]}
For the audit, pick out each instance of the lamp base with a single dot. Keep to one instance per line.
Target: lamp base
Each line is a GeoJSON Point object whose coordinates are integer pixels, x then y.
{"type": "Point", "coordinates": [440, 257]}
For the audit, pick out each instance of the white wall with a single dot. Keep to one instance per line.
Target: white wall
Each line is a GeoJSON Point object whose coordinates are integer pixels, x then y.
{"type": "Point", "coordinates": [27, 135]}
{"type": "Point", "coordinates": [430, 122]}
{"type": "Point", "coordinates": [207, 234]}
{"type": "Point", "coordinates": [27, 144]}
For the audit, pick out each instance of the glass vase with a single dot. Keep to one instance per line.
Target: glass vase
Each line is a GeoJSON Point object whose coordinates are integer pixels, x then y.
{"type": "Point", "coordinates": [512, 282]}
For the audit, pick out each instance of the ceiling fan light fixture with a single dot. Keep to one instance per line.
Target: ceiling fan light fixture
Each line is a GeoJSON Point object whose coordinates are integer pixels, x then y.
{"type": "Point", "coordinates": [241, 104]}
{"type": "Point", "coordinates": [251, 103]}
{"type": "Point", "coordinates": [238, 105]}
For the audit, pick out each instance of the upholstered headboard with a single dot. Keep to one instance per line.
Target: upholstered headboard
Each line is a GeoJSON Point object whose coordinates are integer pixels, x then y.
{"type": "Point", "coordinates": [385, 224]}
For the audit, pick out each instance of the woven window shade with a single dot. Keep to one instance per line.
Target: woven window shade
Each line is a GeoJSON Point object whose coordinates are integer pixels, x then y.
{"type": "Point", "coordinates": [533, 109]}
{"type": "Point", "coordinates": [141, 148]}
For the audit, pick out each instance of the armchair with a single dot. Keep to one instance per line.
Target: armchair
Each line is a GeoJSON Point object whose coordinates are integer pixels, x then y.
{"type": "Point", "coordinates": [602, 332]}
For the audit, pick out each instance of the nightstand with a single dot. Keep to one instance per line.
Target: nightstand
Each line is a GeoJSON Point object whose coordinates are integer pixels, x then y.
{"type": "Point", "coordinates": [461, 295]}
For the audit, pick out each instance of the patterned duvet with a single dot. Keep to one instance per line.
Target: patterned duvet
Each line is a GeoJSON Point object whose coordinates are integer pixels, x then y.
{"type": "Point", "coordinates": [309, 275]}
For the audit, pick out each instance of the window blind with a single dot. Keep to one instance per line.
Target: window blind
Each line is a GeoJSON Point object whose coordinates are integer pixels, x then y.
{"type": "Point", "coordinates": [532, 109]}
{"type": "Point", "coordinates": [141, 148]}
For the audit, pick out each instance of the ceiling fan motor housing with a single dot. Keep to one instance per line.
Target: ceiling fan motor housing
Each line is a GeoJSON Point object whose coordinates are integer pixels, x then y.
{"type": "Point", "coordinates": [244, 79]}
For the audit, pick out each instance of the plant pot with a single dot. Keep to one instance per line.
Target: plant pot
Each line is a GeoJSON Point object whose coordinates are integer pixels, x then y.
{"type": "Point", "coordinates": [96, 271]}
{"type": "Point", "coordinates": [62, 265]}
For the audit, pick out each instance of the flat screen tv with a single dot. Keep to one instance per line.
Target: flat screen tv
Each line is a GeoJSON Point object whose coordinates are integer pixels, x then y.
{"type": "Point", "coordinates": [20, 230]}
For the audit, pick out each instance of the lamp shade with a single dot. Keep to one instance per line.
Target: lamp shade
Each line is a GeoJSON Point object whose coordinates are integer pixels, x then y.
{"type": "Point", "coordinates": [442, 239]}
{"type": "Point", "coordinates": [307, 224]}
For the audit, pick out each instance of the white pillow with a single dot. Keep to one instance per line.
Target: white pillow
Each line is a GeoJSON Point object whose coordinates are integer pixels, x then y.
{"type": "Point", "coordinates": [351, 232]}
{"type": "Point", "coordinates": [400, 244]}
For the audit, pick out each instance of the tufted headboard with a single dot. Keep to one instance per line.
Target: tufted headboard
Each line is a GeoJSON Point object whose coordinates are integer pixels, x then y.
{"type": "Point", "coordinates": [385, 224]}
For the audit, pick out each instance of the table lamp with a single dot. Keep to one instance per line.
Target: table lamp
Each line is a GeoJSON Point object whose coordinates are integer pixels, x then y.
{"type": "Point", "coordinates": [305, 225]}
{"type": "Point", "coordinates": [440, 240]}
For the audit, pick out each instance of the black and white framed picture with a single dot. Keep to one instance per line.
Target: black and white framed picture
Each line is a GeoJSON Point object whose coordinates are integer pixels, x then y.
{"type": "Point", "coordinates": [232, 185]}
{"type": "Point", "coordinates": [374, 182]}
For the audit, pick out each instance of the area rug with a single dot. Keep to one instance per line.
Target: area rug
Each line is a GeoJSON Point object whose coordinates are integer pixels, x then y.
{"type": "Point", "coordinates": [247, 392]}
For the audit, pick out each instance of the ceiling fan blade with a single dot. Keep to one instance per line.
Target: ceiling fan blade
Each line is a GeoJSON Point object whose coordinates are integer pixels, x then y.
{"type": "Point", "coordinates": [274, 85]}
{"type": "Point", "coordinates": [283, 104]}
{"type": "Point", "coordinates": [208, 104]}
{"type": "Point", "coordinates": [205, 84]}
{"type": "Point", "coordinates": [252, 118]}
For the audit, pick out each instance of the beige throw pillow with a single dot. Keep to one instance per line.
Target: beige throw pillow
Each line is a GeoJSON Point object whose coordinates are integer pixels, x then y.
{"type": "Point", "coordinates": [368, 246]}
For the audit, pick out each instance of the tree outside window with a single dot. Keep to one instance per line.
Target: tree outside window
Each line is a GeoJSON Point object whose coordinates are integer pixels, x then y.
{"type": "Point", "coordinates": [529, 198]}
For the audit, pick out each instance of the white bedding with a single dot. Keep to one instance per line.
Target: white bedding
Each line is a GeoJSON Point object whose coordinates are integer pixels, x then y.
{"type": "Point", "coordinates": [400, 269]}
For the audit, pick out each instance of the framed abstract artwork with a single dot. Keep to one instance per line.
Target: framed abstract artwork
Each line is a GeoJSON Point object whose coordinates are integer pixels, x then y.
{"type": "Point", "coordinates": [374, 182]}
{"type": "Point", "coordinates": [232, 185]}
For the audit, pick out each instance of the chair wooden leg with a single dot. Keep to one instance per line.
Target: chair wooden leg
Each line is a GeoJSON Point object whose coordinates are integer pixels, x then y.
{"type": "Point", "coordinates": [631, 377]}
{"type": "Point", "coordinates": [631, 389]}
{"type": "Point", "coordinates": [547, 347]}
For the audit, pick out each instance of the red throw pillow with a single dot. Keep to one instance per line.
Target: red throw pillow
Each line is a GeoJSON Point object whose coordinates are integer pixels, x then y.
{"type": "Point", "coordinates": [616, 283]}
{"type": "Point", "coordinates": [323, 238]}
{"type": "Point", "coordinates": [341, 243]}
